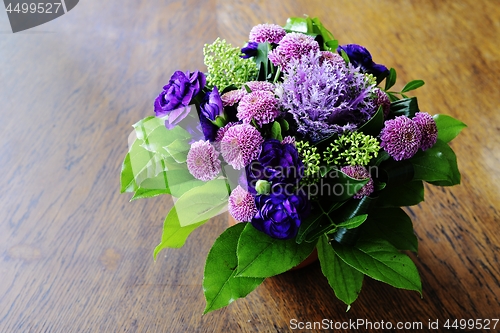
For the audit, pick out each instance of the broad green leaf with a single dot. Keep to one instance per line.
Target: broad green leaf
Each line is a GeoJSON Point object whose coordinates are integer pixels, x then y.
{"type": "Point", "coordinates": [404, 107]}
{"type": "Point", "coordinates": [381, 261]}
{"type": "Point", "coordinates": [147, 125]}
{"type": "Point", "coordinates": [392, 97]}
{"type": "Point", "coordinates": [345, 281]}
{"type": "Point", "coordinates": [338, 186]}
{"type": "Point", "coordinates": [136, 167]}
{"type": "Point", "coordinates": [391, 79]}
{"type": "Point", "coordinates": [220, 284]}
{"type": "Point", "coordinates": [297, 24]}
{"type": "Point", "coordinates": [175, 182]}
{"type": "Point", "coordinates": [317, 223]}
{"type": "Point", "coordinates": [174, 235]}
{"type": "Point", "coordinates": [329, 42]}
{"type": "Point", "coordinates": [259, 255]}
{"type": "Point", "coordinates": [374, 125]}
{"type": "Point", "coordinates": [127, 180]}
{"type": "Point", "coordinates": [448, 127]}
{"type": "Point", "coordinates": [276, 131]}
{"type": "Point", "coordinates": [202, 202]}
{"type": "Point", "coordinates": [437, 164]}
{"type": "Point", "coordinates": [393, 225]}
{"type": "Point", "coordinates": [353, 222]}
{"type": "Point", "coordinates": [398, 195]}
{"type": "Point", "coordinates": [262, 61]}
{"type": "Point", "coordinates": [412, 85]}
{"type": "Point", "coordinates": [178, 149]}
{"type": "Point", "coordinates": [284, 125]}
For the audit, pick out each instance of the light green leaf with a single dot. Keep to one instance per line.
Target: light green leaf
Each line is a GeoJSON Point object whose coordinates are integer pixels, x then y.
{"type": "Point", "coordinates": [412, 85]}
{"type": "Point", "coordinates": [220, 285]}
{"type": "Point", "coordinates": [127, 180]}
{"type": "Point", "coordinates": [174, 235]}
{"type": "Point", "coordinates": [393, 225]}
{"type": "Point", "coordinates": [178, 149]}
{"type": "Point", "coordinates": [381, 261]}
{"type": "Point", "coordinates": [175, 182]}
{"type": "Point", "coordinates": [202, 202]}
{"type": "Point", "coordinates": [448, 127]}
{"type": "Point", "coordinates": [276, 131]}
{"type": "Point", "coordinates": [391, 79]}
{"type": "Point", "coordinates": [345, 281]}
{"type": "Point", "coordinates": [266, 256]}
{"type": "Point", "coordinates": [437, 164]}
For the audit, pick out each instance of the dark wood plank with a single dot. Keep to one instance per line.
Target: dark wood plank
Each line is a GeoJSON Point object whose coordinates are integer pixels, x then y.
{"type": "Point", "coordinates": [76, 256]}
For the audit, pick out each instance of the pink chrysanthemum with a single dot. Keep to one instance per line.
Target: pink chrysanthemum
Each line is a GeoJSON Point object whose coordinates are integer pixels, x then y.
{"type": "Point", "coordinates": [259, 105]}
{"type": "Point", "coordinates": [333, 58]}
{"type": "Point", "coordinates": [259, 86]}
{"type": "Point", "coordinates": [383, 100]}
{"type": "Point", "coordinates": [202, 161]}
{"type": "Point", "coordinates": [359, 172]}
{"type": "Point", "coordinates": [271, 33]}
{"type": "Point", "coordinates": [288, 140]}
{"type": "Point", "coordinates": [232, 97]}
{"type": "Point", "coordinates": [241, 205]}
{"type": "Point", "coordinates": [240, 145]}
{"type": "Point", "coordinates": [400, 138]}
{"type": "Point", "coordinates": [293, 46]}
{"type": "Point", "coordinates": [427, 126]}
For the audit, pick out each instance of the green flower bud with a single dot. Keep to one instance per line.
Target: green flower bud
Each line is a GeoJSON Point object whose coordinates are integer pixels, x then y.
{"type": "Point", "coordinates": [263, 187]}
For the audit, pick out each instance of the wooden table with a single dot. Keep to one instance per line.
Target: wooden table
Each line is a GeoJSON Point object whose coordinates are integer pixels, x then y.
{"type": "Point", "coordinates": [76, 256]}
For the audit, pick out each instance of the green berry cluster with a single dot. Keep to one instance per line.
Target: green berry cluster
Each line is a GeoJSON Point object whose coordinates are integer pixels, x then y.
{"type": "Point", "coordinates": [225, 66]}
{"type": "Point", "coordinates": [310, 158]}
{"type": "Point", "coordinates": [353, 148]}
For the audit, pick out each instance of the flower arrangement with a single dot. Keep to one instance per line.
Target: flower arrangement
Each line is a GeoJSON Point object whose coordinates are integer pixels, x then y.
{"type": "Point", "coordinates": [299, 140]}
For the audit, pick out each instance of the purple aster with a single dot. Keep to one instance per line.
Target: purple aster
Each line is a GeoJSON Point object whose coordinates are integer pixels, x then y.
{"type": "Point", "coordinates": [232, 97]}
{"type": "Point", "coordinates": [280, 216]}
{"type": "Point", "coordinates": [400, 138]}
{"type": "Point", "coordinates": [202, 161]}
{"type": "Point", "coordinates": [271, 33]}
{"type": "Point", "coordinates": [241, 205]}
{"type": "Point", "coordinates": [427, 126]}
{"type": "Point", "coordinates": [259, 85]}
{"type": "Point", "coordinates": [250, 50]}
{"type": "Point", "coordinates": [259, 105]}
{"type": "Point", "coordinates": [383, 100]}
{"type": "Point", "coordinates": [360, 57]}
{"type": "Point", "coordinates": [293, 46]}
{"type": "Point", "coordinates": [331, 57]}
{"type": "Point", "coordinates": [359, 172]}
{"type": "Point", "coordinates": [240, 145]}
{"type": "Point", "coordinates": [325, 98]}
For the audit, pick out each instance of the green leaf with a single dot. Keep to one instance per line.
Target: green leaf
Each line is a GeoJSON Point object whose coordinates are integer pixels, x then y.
{"type": "Point", "coordinates": [262, 61]}
{"type": "Point", "coordinates": [374, 125]}
{"type": "Point", "coordinates": [220, 285]}
{"type": "Point", "coordinates": [260, 255]}
{"type": "Point", "coordinates": [398, 195]}
{"type": "Point", "coordinates": [392, 97]}
{"type": "Point", "coordinates": [127, 180]}
{"type": "Point", "coordinates": [284, 125]}
{"type": "Point", "coordinates": [178, 149]}
{"type": "Point", "coordinates": [175, 182]}
{"type": "Point", "coordinates": [317, 223]}
{"type": "Point", "coordinates": [202, 202]}
{"type": "Point", "coordinates": [276, 131]}
{"type": "Point", "coordinates": [329, 42]}
{"type": "Point", "coordinates": [412, 85]}
{"type": "Point", "coordinates": [404, 107]}
{"type": "Point", "coordinates": [137, 166]}
{"type": "Point", "coordinates": [345, 281]}
{"type": "Point", "coordinates": [393, 225]}
{"type": "Point", "coordinates": [338, 186]}
{"type": "Point", "coordinates": [297, 24]}
{"type": "Point", "coordinates": [437, 164]}
{"type": "Point", "coordinates": [391, 79]}
{"type": "Point", "coordinates": [448, 127]}
{"type": "Point", "coordinates": [381, 261]}
{"type": "Point", "coordinates": [353, 222]}
{"type": "Point", "coordinates": [174, 235]}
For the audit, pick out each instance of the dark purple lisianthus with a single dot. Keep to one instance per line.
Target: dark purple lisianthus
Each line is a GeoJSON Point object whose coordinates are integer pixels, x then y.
{"type": "Point", "coordinates": [179, 92]}
{"type": "Point", "coordinates": [280, 215]}
{"type": "Point", "coordinates": [360, 57]}
{"type": "Point", "coordinates": [250, 50]}
{"type": "Point", "coordinates": [211, 107]}
{"type": "Point", "coordinates": [278, 163]}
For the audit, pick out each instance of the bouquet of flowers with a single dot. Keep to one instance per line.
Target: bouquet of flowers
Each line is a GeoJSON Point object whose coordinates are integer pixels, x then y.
{"type": "Point", "coordinates": [303, 142]}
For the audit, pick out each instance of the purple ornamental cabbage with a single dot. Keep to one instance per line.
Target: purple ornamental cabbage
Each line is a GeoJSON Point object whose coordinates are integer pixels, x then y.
{"type": "Point", "coordinates": [177, 94]}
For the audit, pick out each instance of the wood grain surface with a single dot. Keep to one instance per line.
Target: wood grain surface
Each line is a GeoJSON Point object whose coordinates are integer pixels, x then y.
{"type": "Point", "coordinates": [76, 256]}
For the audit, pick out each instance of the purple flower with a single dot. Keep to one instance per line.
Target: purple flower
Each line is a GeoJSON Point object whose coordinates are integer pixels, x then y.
{"type": "Point", "coordinates": [241, 205]}
{"type": "Point", "coordinates": [360, 172]}
{"type": "Point", "coordinates": [279, 164]}
{"type": "Point", "coordinates": [427, 126]}
{"type": "Point", "coordinates": [250, 50]}
{"type": "Point", "coordinates": [293, 46]}
{"type": "Point", "coordinates": [271, 33]}
{"type": "Point", "coordinates": [360, 57]}
{"type": "Point", "coordinates": [400, 138]}
{"type": "Point", "coordinates": [202, 161]}
{"type": "Point", "coordinates": [280, 216]}
{"type": "Point", "coordinates": [240, 145]}
{"type": "Point", "coordinates": [211, 107]}
{"type": "Point", "coordinates": [258, 105]}
{"type": "Point", "coordinates": [178, 93]}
